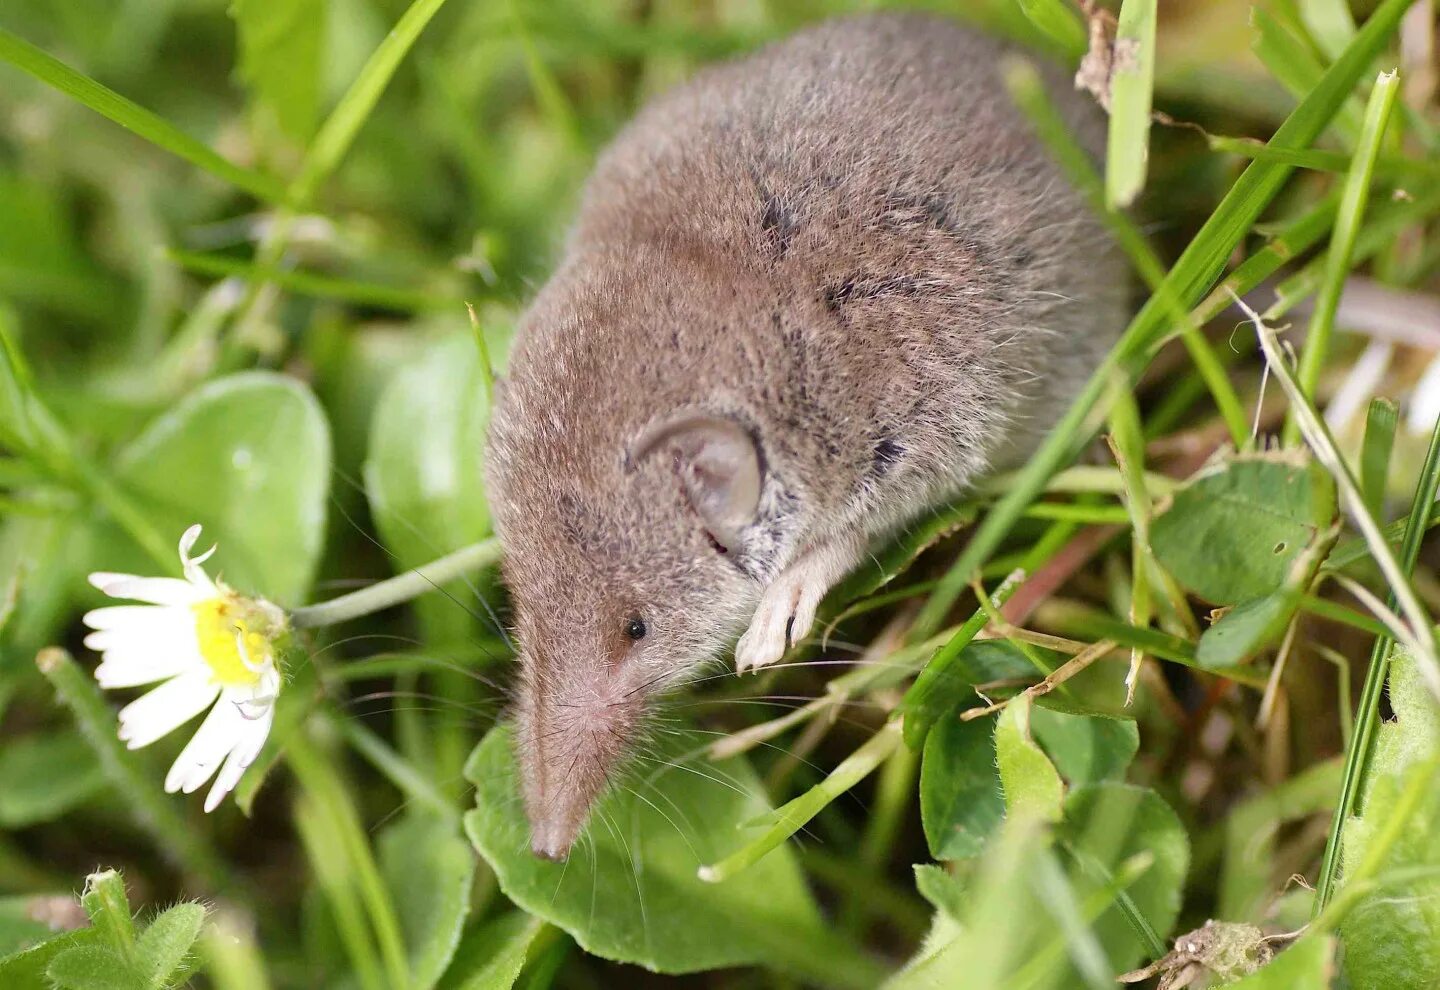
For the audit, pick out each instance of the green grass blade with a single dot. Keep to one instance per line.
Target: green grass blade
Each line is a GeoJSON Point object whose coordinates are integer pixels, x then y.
{"type": "Point", "coordinates": [1057, 21]}
{"type": "Point", "coordinates": [1342, 240]}
{"type": "Point", "coordinates": [1367, 716]}
{"type": "Point", "coordinates": [344, 123]}
{"type": "Point", "coordinates": [318, 286]}
{"type": "Point", "coordinates": [134, 118]}
{"type": "Point", "coordinates": [1194, 273]}
{"type": "Point", "coordinates": [1375, 453]}
{"type": "Point", "coordinates": [1297, 67]}
{"type": "Point", "coordinates": [1132, 85]}
{"type": "Point", "coordinates": [1029, 94]}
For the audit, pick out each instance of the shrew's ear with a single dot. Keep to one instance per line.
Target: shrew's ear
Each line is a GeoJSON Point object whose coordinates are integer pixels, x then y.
{"type": "Point", "coordinates": [719, 468]}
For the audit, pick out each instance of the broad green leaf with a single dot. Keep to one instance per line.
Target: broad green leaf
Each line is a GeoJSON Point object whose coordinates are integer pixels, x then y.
{"type": "Point", "coordinates": [424, 474]}
{"type": "Point", "coordinates": [25, 969]}
{"type": "Point", "coordinates": [93, 967]}
{"type": "Point", "coordinates": [629, 890]}
{"type": "Point", "coordinates": [44, 775]}
{"type": "Point", "coordinates": [1232, 534]}
{"type": "Point", "coordinates": [1310, 962]}
{"type": "Point", "coordinates": [248, 457]}
{"type": "Point", "coordinates": [960, 798]}
{"type": "Point", "coordinates": [1086, 749]}
{"type": "Point", "coordinates": [165, 944]}
{"type": "Point", "coordinates": [429, 869]}
{"type": "Point", "coordinates": [1392, 937]}
{"type": "Point", "coordinates": [281, 50]}
{"type": "Point", "coordinates": [491, 956]}
{"type": "Point", "coordinates": [1107, 824]}
{"type": "Point", "coordinates": [1247, 629]}
{"type": "Point", "coordinates": [949, 682]}
{"type": "Point", "coordinates": [1031, 784]}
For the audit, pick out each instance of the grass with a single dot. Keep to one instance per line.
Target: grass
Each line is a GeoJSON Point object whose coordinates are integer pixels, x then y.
{"type": "Point", "coordinates": [380, 186]}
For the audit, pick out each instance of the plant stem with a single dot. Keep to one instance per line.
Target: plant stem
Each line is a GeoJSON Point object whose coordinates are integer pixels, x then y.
{"type": "Point", "coordinates": [401, 588]}
{"type": "Point", "coordinates": [1368, 713]}
{"type": "Point", "coordinates": [138, 787]}
{"type": "Point", "coordinates": [1342, 241]}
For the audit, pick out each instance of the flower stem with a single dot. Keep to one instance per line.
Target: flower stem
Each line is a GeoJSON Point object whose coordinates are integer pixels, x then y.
{"type": "Point", "coordinates": [401, 588]}
{"type": "Point", "coordinates": [175, 838]}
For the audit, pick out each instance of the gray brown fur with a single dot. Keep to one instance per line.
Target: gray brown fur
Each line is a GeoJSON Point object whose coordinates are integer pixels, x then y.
{"type": "Point", "coordinates": [849, 243]}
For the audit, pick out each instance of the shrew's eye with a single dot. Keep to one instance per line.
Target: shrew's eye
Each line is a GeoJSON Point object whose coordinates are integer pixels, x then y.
{"type": "Point", "coordinates": [635, 627]}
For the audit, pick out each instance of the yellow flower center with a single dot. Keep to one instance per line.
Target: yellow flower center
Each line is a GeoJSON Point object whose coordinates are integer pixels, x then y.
{"type": "Point", "coordinates": [221, 628]}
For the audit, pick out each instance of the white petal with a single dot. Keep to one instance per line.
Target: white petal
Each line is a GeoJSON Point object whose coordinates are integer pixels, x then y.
{"type": "Point", "coordinates": [194, 573]}
{"type": "Point", "coordinates": [212, 742]}
{"type": "Point", "coordinates": [241, 757]}
{"type": "Point", "coordinates": [156, 590]}
{"type": "Point", "coordinates": [123, 670]}
{"type": "Point", "coordinates": [166, 708]}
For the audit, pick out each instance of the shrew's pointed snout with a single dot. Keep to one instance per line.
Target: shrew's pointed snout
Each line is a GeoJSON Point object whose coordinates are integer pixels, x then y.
{"type": "Point", "coordinates": [549, 840]}
{"type": "Point", "coordinates": [570, 748]}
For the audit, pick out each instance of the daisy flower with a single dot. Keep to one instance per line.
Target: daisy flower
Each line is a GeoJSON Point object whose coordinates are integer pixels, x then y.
{"type": "Point", "coordinates": [209, 648]}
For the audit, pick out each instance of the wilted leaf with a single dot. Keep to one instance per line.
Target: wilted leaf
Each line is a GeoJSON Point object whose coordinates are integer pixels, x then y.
{"type": "Point", "coordinates": [960, 798]}
{"type": "Point", "coordinates": [429, 869]}
{"type": "Point", "coordinates": [630, 892]}
{"type": "Point", "coordinates": [1232, 534]}
{"type": "Point", "coordinates": [248, 457]}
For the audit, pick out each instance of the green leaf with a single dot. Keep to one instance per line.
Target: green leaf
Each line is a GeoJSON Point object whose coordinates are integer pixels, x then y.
{"type": "Point", "coordinates": [248, 457]}
{"type": "Point", "coordinates": [1031, 784]}
{"type": "Point", "coordinates": [164, 946]}
{"type": "Point", "coordinates": [429, 869]}
{"type": "Point", "coordinates": [44, 775]}
{"type": "Point", "coordinates": [1310, 962]}
{"type": "Point", "coordinates": [1232, 534]}
{"type": "Point", "coordinates": [104, 900]}
{"type": "Point", "coordinates": [1107, 824]}
{"type": "Point", "coordinates": [1057, 21]}
{"type": "Point", "coordinates": [26, 969]}
{"type": "Point", "coordinates": [949, 680]}
{"type": "Point", "coordinates": [25, 921]}
{"type": "Point", "coordinates": [960, 798]}
{"type": "Point", "coordinates": [1131, 84]}
{"type": "Point", "coordinates": [1392, 937]}
{"type": "Point", "coordinates": [281, 48]}
{"type": "Point", "coordinates": [424, 474]}
{"type": "Point", "coordinates": [1379, 443]}
{"type": "Point", "coordinates": [93, 967]}
{"type": "Point", "coordinates": [1088, 748]}
{"type": "Point", "coordinates": [1247, 629]}
{"type": "Point", "coordinates": [941, 888]}
{"type": "Point", "coordinates": [491, 956]}
{"type": "Point", "coordinates": [630, 892]}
